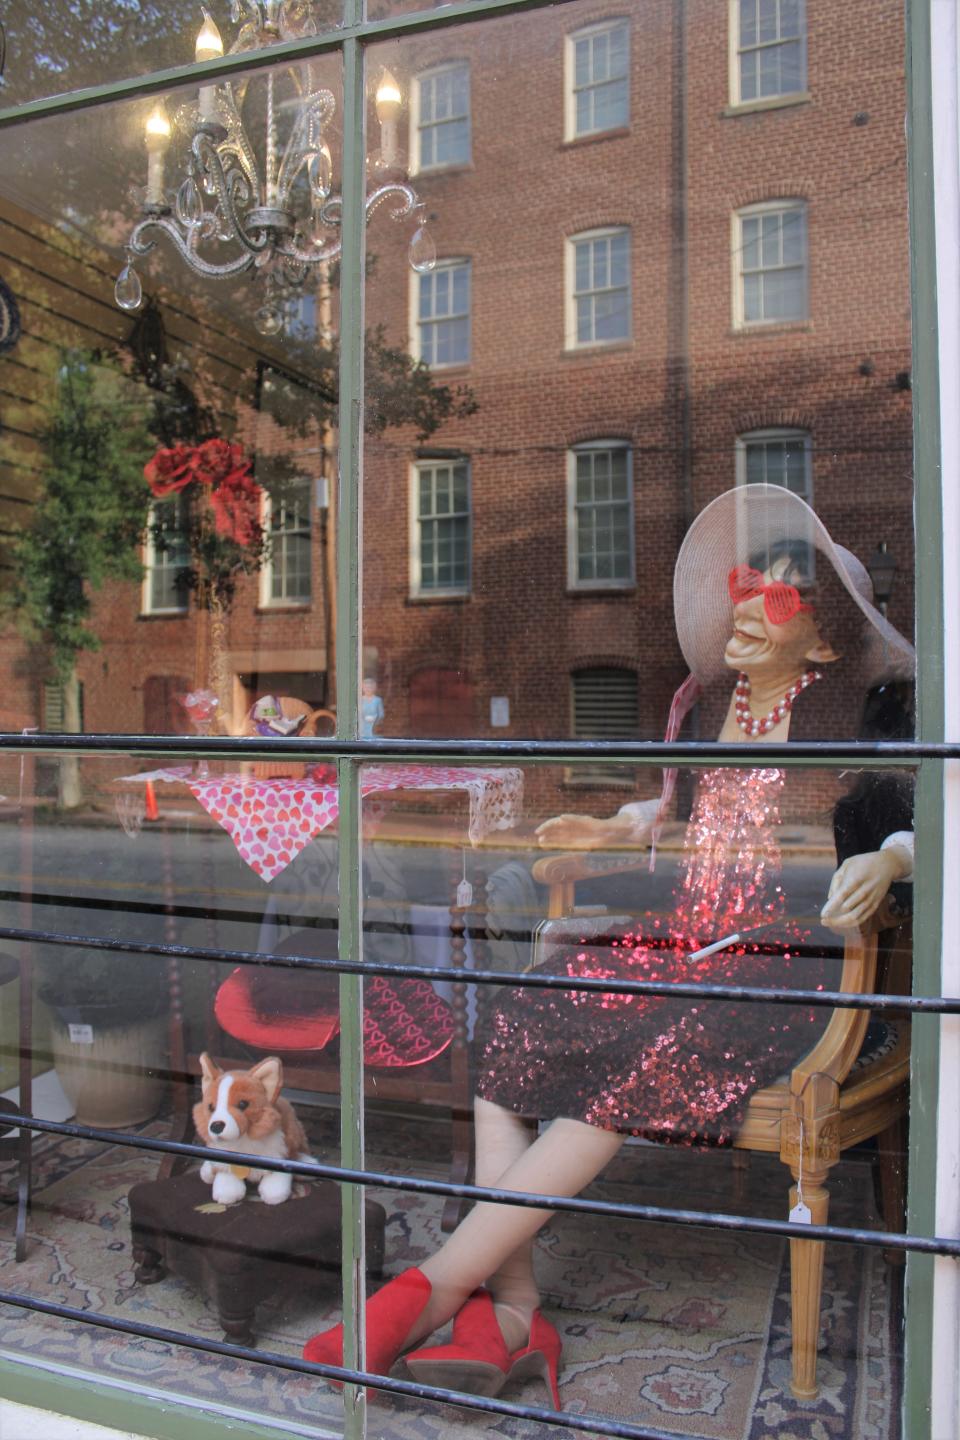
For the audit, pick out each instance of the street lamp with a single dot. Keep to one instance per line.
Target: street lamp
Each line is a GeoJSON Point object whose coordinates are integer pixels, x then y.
{"type": "Point", "coordinates": [882, 567]}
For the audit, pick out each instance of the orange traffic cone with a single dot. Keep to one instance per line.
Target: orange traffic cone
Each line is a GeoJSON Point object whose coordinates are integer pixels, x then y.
{"type": "Point", "coordinates": [152, 811]}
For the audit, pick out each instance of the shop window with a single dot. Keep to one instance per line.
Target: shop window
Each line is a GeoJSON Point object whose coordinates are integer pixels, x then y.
{"type": "Point", "coordinates": [440, 538]}
{"type": "Point", "coordinates": [598, 79]}
{"type": "Point", "coordinates": [166, 560]}
{"type": "Point", "coordinates": [605, 705]}
{"type": "Point", "coordinates": [776, 457]}
{"type": "Point", "coordinates": [598, 288]}
{"type": "Point", "coordinates": [770, 263]}
{"type": "Point", "coordinates": [442, 330]}
{"type": "Point", "coordinates": [441, 703]}
{"type": "Point", "coordinates": [600, 515]}
{"type": "Point", "coordinates": [769, 49]}
{"type": "Point", "coordinates": [286, 575]}
{"type": "Point", "coordinates": [441, 118]}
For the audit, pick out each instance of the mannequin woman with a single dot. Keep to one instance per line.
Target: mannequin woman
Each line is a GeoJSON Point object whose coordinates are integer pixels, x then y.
{"type": "Point", "coordinates": [761, 592]}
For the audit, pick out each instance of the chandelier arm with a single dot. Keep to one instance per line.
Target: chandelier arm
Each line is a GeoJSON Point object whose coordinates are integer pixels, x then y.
{"type": "Point", "coordinates": [140, 243]}
{"type": "Point", "coordinates": [237, 142]}
{"type": "Point", "coordinates": [315, 255]}
{"type": "Point", "coordinates": [316, 110]}
{"type": "Point", "coordinates": [209, 159]}
{"type": "Point", "coordinates": [405, 193]}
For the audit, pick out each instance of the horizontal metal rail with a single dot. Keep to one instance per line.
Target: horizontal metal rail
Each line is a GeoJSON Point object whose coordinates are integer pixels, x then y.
{"type": "Point", "coordinates": [591, 1424]}
{"type": "Point", "coordinates": [655, 1214]}
{"type": "Point", "coordinates": [677, 752]}
{"type": "Point", "coordinates": [750, 994]}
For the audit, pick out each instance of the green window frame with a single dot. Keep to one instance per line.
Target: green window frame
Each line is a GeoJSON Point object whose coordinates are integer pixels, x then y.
{"type": "Point", "coordinates": [85, 1398]}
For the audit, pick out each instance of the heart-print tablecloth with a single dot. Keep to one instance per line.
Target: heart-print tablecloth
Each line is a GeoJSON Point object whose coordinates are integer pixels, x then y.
{"type": "Point", "coordinates": [271, 821]}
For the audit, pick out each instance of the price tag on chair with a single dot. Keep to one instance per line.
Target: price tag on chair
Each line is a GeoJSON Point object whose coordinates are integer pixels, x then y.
{"type": "Point", "coordinates": [800, 1214]}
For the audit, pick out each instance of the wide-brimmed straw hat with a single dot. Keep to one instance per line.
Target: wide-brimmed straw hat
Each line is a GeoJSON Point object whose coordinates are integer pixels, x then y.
{"type": "Point", "coordinates": [733, 529]}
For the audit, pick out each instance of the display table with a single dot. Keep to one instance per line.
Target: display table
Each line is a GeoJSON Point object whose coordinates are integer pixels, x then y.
{"type": "Point", "coordinates": [271, 821]}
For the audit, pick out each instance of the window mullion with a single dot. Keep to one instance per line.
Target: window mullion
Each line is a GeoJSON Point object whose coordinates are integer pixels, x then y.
{"type": "Point", "coordinates": [347, 677]}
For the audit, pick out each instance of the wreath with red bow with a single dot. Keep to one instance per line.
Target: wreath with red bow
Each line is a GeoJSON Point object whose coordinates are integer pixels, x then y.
{"type": "Point", "coordinates": [221, 521]}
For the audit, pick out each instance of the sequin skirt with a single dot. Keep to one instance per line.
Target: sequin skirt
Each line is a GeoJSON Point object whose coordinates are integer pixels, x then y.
{"type": "Point", "coordinates": [672, 1070]}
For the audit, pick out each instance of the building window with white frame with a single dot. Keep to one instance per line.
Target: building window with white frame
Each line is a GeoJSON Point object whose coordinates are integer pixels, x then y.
{"type": "Point", "coordinates": [600, 548]}
{"type": "Point", "coordinates": [166, 559]}
{"type": "Point", "coordinates": [598, 79]}
{"type": "Point", "coordinates": [598, 288]}
{"type": "Point", "coordinates": [441, 118]}
{"type": "Point", "coordinates": [770, 263]}
{"type": "Point", "coordinates": [442, 332]}
{"type": "Point", "coordinates": [769, 49]}
{"type": "Point", "coordinates": [776, 457]}
{"type": "Point", "coordinates": [440, 528]}
{"type": "Point", "coordinates": [286, 577]}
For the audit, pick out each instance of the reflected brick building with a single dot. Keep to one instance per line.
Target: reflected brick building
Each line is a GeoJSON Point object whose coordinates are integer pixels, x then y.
{"type": "Point", "coordinates": [673, 255]}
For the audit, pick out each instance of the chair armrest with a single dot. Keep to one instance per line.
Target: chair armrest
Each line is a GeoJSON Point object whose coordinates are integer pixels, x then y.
{"type": "Point", "coordinates": [835, 1052]}
{"type": "Point", "coordinates": [560, 874]}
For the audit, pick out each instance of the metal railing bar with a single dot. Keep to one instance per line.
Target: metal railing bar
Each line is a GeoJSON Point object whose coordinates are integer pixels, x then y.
{"type": "Point", "coordinates": [656, 1214]}
{"type": "Point", "coordinates": [678, 752]}
{"type": "Point", "coordinates": [749, 994]}
{"type": "Point", "coordinates": [590, 1423]}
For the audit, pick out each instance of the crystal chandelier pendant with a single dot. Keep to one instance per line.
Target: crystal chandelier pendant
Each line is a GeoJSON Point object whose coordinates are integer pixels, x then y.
{"type": "Point", "coordinates": [268, 320]}
{"type": "Point", "coordinates": [320, 172]}
{"type": "Point", "coordinates": [128, 292]}
{"type": "Point", "coordinates": [189, 203]}
{"type": "Point", "coordinates": [423, 251]}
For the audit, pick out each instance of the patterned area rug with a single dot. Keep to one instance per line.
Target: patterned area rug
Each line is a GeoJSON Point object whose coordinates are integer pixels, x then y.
{"type": "Point", "coordinates": [682, 1329]}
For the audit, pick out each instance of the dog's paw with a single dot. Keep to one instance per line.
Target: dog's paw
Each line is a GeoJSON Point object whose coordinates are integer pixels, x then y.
{"type": "Point", "coordinates": [275, 1188]}
{"type": "Point", "coordinates": [227, 1188]}
{"type": "Point", "coordinates": [208, 1172]}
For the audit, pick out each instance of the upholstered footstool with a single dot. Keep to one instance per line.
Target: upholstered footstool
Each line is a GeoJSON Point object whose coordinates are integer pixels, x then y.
{"type": "Point", "coordinates": [239, 1255]}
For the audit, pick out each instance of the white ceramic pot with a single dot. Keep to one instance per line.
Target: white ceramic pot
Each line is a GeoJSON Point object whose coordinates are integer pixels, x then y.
{"type": "Point", "coordinates": [114, 1074]}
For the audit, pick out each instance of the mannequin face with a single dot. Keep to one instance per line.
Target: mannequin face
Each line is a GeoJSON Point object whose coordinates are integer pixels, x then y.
{"type": "Point", "coordinates": [369, 688]}
{"type": "Point", "coordinates": [759, 647]}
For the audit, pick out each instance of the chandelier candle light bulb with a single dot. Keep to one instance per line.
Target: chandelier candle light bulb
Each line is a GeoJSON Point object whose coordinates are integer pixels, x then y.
{"type": "Point", "coordinates": [209, 47]}
{"type": "Point", "coordinates": [157, 137]}
{"type": "Point", "coordinates": [388, 102]}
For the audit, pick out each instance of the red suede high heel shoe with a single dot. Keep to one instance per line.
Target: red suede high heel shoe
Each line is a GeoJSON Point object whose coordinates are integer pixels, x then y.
{"type": "Point", "coordinates": [390, 1316]}
{"type": "Point", "coordinates": [477, 1359]}
{"type": "Point", "coordinates": [540, 1356]}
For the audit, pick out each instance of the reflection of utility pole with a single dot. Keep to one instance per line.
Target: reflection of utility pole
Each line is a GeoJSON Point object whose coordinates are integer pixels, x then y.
{"type": "Point", "coordinates": [326, 490]}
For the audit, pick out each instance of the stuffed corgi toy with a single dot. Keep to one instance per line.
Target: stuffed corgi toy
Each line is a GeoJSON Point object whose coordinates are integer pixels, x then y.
{"type": "Point", "coordinates": [243, 1110]}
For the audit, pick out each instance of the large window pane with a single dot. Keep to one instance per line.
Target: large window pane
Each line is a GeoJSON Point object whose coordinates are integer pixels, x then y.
{"type": "Point", "coordinates": [576, 344]}
{"type": "Point", "coordinates": [59, 46]}
{"type": "Point", "coordinates": [169, 467]}
{"type": "Point", "coordinates": [687, 1103]}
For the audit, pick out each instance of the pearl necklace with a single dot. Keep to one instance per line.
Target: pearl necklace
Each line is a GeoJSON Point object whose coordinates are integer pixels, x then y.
{"type": "Point", "coordinates": [780, 711]}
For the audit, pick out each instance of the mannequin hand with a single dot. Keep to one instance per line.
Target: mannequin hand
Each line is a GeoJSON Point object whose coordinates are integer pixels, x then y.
{"type": "Point", "coordinates": [582, 832]}
{"type": "Point", "coordinates": [860, 884]}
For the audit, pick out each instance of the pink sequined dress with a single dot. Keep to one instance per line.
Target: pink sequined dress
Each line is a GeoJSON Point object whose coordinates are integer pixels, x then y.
{"type": "Point", "coordinates": [677, 1070]}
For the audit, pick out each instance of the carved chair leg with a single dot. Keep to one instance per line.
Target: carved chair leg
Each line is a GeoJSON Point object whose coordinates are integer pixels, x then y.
{"type": "Point", "coordinates": [806, 1287]}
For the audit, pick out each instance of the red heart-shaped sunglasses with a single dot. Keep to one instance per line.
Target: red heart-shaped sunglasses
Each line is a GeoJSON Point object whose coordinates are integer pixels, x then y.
{"type": "Point", "coordinates": [781, 602]}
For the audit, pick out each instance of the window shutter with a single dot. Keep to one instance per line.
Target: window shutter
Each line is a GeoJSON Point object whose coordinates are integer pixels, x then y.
{"type": "Point", "coordinates": [605, 707]}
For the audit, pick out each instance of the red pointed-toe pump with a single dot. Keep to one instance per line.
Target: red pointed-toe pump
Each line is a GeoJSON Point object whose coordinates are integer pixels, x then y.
{"type": "Point", "coordinates": [476, 1360]}
{"type": "Point", "coordinates": [390, 1316]}
{"type": "Point", "coordinates": [540, 1356]}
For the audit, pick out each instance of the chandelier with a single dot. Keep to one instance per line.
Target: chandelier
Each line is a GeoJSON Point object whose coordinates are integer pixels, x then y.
{"type": "Point", "coordinates": [268, 209]}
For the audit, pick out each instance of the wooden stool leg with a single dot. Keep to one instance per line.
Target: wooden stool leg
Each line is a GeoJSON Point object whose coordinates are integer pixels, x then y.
{"type": "Point", "coordinates": [806, 1287]}
{"type": "Point", "coordinates": [461, 1116]}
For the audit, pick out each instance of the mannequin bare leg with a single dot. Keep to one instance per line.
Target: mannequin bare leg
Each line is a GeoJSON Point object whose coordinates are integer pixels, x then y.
{"type": "Point", "coordinates": [494, 1244]}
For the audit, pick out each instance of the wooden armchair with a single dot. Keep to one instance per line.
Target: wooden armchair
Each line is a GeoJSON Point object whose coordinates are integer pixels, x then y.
{"type": "Point", "coordinates": [835, 1097]}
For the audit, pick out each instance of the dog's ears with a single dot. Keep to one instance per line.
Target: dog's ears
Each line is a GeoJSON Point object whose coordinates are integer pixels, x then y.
{"type": "Point", "coordinates": [270, 1075]}
{"type": "Point", "coordinates": [208, 1069]}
